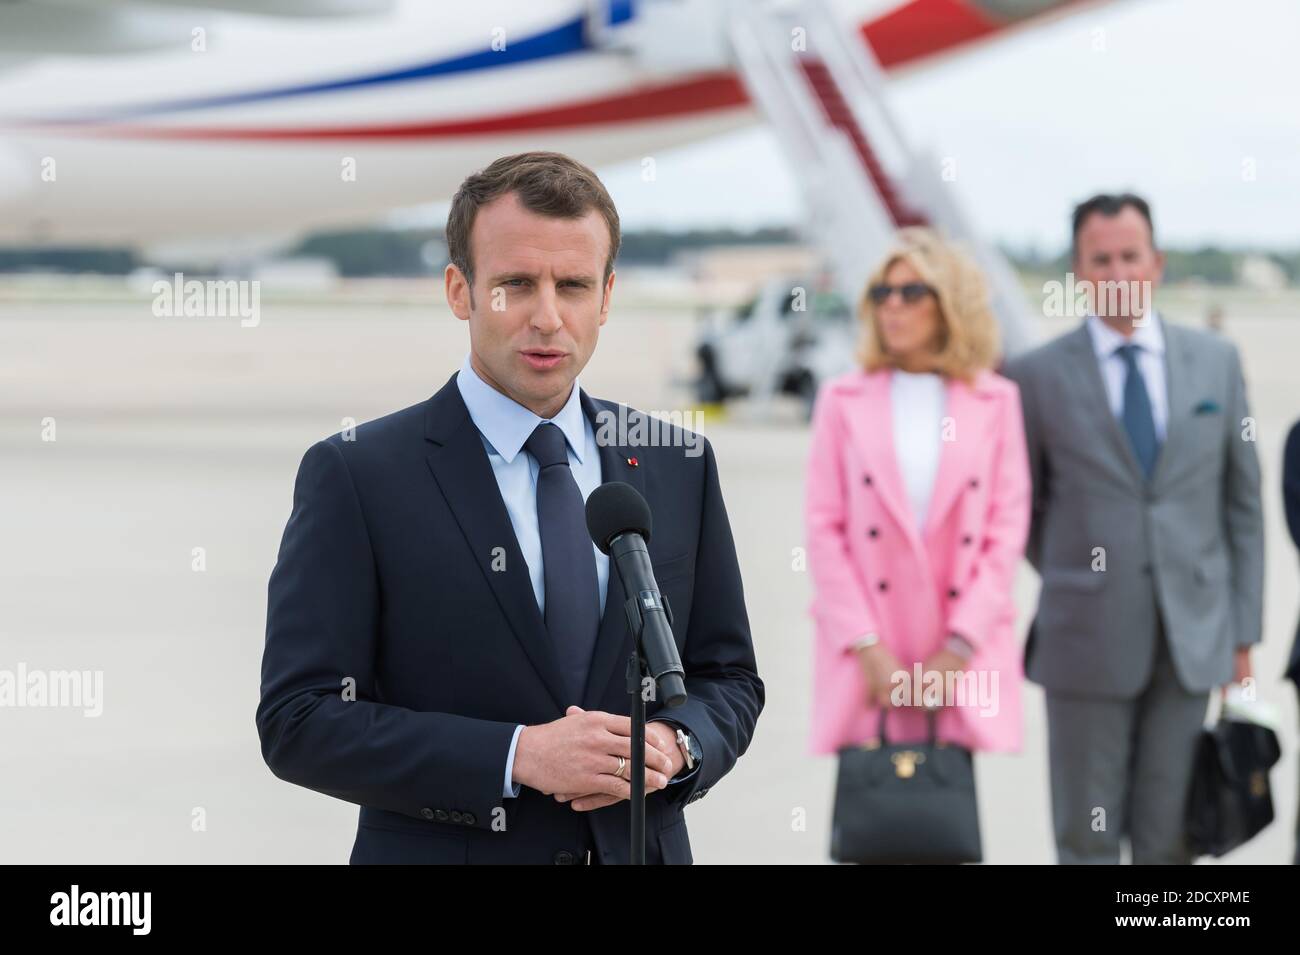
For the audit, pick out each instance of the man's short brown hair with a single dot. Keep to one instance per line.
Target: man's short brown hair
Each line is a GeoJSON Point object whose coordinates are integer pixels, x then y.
{"type": "Point", "coordinates": [550, 184]}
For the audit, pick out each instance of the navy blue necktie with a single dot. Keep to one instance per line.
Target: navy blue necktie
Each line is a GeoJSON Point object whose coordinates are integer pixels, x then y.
{"type": "Point", "coordinates": [1139, 421]}
{"type": "Point", "coordinates": [568, 561]}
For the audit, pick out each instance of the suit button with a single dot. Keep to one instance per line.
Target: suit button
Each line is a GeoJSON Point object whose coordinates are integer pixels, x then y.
{"type": "Point", "coordinates": [873, 532]}
{"type": "Point", "coordinates": [966, 540]}
{"type": "Point", "coordinates": [882, 586]}
{"type": "Point", "coordinates": [456, 817]}
{"type": "Point", "coordinates": [440, 815]}
{"type": "Point", "coordinates": [426, 812]}
{"type": "Point", "coordinates": [953, 592]}
{"type": "Point", "coordinates": [564, 857]}
{"type": "Point", "coordinates": [469, 819]}
{"type": "Point", "coordinates": [974, 482]}
{"type": "Point", "coordinates": [866, 479]}
{"type": "Point", "coordinates": [1146, 569]}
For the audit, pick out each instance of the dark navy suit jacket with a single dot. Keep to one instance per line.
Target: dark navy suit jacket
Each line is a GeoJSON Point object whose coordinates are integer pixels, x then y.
{"type": "Point", "coordinates": [1291, 500]}
{"type": "Point", "coordinates": [385, 583]}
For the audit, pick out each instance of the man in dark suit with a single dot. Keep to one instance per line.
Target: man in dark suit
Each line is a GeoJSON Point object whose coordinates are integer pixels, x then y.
{"type": "Point", "coordinates": [1291, 502]}
{"type": "Point", "coordinates": [445, 647]}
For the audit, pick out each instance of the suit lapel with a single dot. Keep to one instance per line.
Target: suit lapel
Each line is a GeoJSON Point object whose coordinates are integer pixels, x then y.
{"type": "Point", "coordinates": [873, 431]}
{"type": "Point", "coordinates": [460, 466]}
{"type": "Point", "coordinates": [464, 475]}
{"type": "Point", "coordinates": [1178, 375]}
{"type": "Point", "coordinates": [614, 638]}
{"type": "Point", "coordinates": [964, 406]}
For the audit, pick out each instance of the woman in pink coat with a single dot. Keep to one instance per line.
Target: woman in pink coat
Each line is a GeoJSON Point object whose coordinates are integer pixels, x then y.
{"type": "Point", "coordinates": [917, 510]}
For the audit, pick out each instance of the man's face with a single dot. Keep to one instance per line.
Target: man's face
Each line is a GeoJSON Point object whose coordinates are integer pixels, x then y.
{"type": "Point", "coordinates": [1118, 249]}
{"type": "Point", "coordinates": [539, 300]}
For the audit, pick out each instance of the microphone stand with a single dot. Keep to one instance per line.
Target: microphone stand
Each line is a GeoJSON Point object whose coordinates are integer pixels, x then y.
{"type": "Point", "coordinates": [637, 672]}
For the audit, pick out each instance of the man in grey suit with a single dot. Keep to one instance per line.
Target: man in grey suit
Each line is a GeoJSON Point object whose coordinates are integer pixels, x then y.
{"type": "Point", "coordinates": [1148, 537]}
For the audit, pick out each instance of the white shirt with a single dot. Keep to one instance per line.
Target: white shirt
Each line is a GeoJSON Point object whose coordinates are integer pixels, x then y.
{"type": "Point", "coordinates": [917, 406]}
{"type": "Point", "coordinates": [1150, 339]}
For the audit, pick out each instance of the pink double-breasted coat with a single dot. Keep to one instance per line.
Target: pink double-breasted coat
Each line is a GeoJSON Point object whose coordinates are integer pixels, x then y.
{"type": "Point", "coordinates": [874, 570]}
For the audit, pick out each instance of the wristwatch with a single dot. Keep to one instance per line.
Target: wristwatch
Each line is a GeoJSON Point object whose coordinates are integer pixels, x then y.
{"type": "Point", "coordinates": [959, 645]}
{"type": "Point", "coordinates": [690, 748]}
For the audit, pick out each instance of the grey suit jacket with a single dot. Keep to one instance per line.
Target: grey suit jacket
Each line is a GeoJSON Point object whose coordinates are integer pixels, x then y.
{"type": "Point", "coordinates": [1187, 545]}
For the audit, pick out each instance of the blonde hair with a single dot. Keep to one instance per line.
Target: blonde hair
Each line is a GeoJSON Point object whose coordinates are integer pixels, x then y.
{"type": "Point", "coordinates": [968, 341]}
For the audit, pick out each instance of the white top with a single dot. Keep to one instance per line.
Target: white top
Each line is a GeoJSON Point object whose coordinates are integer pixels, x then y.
{"type": "Point", "coordinates": [1150, 339]}
{"type": "Point", "coordinates": [917, 405]}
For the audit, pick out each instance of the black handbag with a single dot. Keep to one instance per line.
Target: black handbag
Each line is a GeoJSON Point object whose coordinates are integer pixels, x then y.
{"type": "Point", "coordinates": [899, 804]}
{"type": "Point", "coordinates": [1230, 799]}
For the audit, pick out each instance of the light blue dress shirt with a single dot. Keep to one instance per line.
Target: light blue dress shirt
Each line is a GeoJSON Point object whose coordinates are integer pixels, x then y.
{"type": "Point", "coordinates": [1150, 339]}
{"type": "Point", "coordinates": [504, 425]}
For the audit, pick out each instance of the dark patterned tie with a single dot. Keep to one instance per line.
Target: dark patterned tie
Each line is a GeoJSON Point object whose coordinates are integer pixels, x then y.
{"type": "Point", "coordinates": [1139, 421]}
{"type": "Point", "coordinates": [568, 561]}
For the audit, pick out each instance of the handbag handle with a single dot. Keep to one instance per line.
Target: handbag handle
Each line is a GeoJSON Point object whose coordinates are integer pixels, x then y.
{"type": "Point", "coordinates": [929, 720]}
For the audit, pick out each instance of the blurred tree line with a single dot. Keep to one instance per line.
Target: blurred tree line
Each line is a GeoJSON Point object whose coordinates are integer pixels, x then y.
{"type": "Point", "coordinates": [421, 252]}
{"type": "Point", "coordinates": [1210, 264]}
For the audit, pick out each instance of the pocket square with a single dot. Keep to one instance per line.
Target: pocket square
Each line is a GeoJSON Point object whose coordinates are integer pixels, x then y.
{"type": "Point", "coordinates": [1207, 406]}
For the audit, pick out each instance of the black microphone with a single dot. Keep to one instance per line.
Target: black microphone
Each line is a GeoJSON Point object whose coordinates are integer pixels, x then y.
{"type": "Point", "coordinates": [618, 518]}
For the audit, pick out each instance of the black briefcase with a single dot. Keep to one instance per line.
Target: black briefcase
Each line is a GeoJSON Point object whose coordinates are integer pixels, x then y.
{"type": "Point", "coordinates": [897, 804]}
{"type": "Point", "coordinates": [1230, 799]}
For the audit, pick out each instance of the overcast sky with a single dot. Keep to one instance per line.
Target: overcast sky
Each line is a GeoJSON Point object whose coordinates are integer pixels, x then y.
{"type": "Point", "coordinates": [1185, 95]}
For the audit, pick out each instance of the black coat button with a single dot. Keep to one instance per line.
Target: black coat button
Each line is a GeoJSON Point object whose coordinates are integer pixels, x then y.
{"type": "Point", "coordinates": [469, 819]}
{"type": "Point", "coordinates": [426, 812]}
{"type": "Point", "coordinates": [456, 817]}
{"type": "Point", "coordinates": [564, 857]}
{"type": "Point", "coordinates": [974, 482]}
{"type": "Point", "coordinates": [883, 585]}
{"type": "Point", "coordinates": [866, 479]}
{"type": "Point", "coordinates": [953, 592]}
{"type": "Point", "coordinates": [441, 815]}
{"type": "Point", "coordinates": [873, 532]}
{"type": "Point", "coordinates": [967, 540]}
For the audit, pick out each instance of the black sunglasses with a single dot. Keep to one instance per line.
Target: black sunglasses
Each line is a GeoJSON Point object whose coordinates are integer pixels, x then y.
{"type": "Point", "coordinates": [911, 292]}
